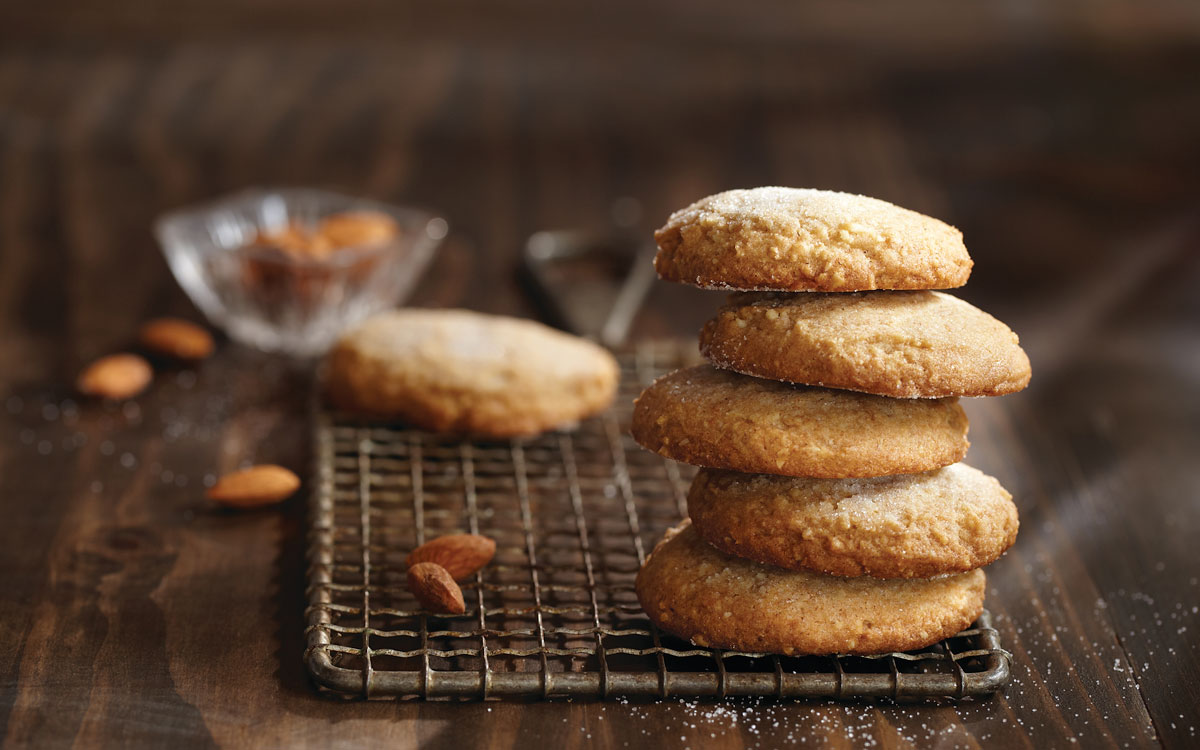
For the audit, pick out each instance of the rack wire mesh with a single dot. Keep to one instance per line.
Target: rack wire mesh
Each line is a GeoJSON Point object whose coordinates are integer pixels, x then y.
{"type": "Point", "coordinates": [573, 514]}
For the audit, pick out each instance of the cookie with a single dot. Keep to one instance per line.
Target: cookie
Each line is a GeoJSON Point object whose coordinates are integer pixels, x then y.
{"type": "Point", "coordinates": [464, 372]}
{"type": "Point", "coordinates": [716, 418]}
{"type": "Point", "coordinates": [904, 526]}
{"type": "Point", "coordinates": [793, 240]}
{"type": "Point", "coordinates": [697, 592]}
{"type": "Point", "coordinates": [903, 344]}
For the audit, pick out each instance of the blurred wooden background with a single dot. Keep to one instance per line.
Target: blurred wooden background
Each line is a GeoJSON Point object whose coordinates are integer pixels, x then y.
{"type": "Point", "coordinates": [1061, 138]}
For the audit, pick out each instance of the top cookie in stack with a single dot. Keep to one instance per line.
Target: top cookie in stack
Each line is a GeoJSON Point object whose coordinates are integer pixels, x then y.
{"type": "Point", "coordinates": [831, 515]}
{"type": "Point", "coordinates": [790, 240]}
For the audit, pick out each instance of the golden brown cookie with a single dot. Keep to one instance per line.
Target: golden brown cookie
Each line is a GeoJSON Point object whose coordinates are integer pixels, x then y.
{"type": "Point", "coordinates": [904, 344]}
{"type": "Point", "coordinates": [794, 240]}
{"type": "Point", "coordinates": [464, 372]}
{"type": "Point", "coordinates": [720, 419]}
{"type": "Point", "coordinates": [695, 591]}
{"type": "Point", "coordinates": [904, 526]}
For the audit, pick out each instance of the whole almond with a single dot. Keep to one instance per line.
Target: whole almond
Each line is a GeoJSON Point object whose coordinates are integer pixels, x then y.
{"type": "Point", "coordinates": [258, 485]}
{"type": "Point", "coordinates": [117, 376]}
{"type": "Point", "coordinates": [358, 229]}
{"type": "Point", "coordinates": [460, 554]}
{"type": "Point", "coordinates": [296, 242]}
{"type": "Point", "coordinates": [176, 338]}
{"type": "Point", "coordinates": [435, 589]}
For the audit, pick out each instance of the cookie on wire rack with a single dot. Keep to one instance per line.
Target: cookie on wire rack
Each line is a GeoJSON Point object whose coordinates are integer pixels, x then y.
{"type": "Point", "coordinates": [793, 240]}
{"type": "Point", "coordinates": [695, 591]}
{"type": "Point", "coordinates": [947, 520]}
{"type": "Point", "coordinates": [710, 417]}
{"type": "Point", "coordinates": [463, 372]}
{"type": "Point", "coordinates": [903, 344]}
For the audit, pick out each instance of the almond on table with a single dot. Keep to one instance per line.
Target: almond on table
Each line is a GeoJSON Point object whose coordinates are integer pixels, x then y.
{"type": "Point", "coordinates": [256, 486]}
{"type": "Point", "coordinates": [435, 589]}
{"type": "Point", "coordinates": [178, 338]}
{"type": "Point", "coordinates": [117, 376]}
{"type": "Point", "coordinates": [460, 554]}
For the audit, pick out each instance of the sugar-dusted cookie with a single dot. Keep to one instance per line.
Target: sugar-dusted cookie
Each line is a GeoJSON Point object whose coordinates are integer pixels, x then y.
{"type": "Point", "coordinates": [905, 344]}
{"type": "Point", "coordinates": [711, 417]}
{"type": "Point", "coordinates": [903, 526]}
{"type": "Point", "coordinates": [793, 240]}
{"type": "Point", "coordinates": [464, 372]}
{"type": "Point", "coordinates": [691, 589]}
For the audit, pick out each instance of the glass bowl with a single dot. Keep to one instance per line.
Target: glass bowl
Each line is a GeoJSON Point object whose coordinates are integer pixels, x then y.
{"type": "Point", "coordinates": [266, 296]}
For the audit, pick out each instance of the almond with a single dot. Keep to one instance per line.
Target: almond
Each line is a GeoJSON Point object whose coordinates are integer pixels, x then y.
{"type": "Point", "coordinates": [358, 229]}
{"type": "Point", "coordinates": [259, 485]}
{"type": "Point", "coordinates": [176, 338]}
{"type": "Point", "coordinates": [435, 589]}
{"type": "Point", "coordinates": [460, 554]}
{"type": "Point", "coordinates": [117, 376]}
{"type": "Point", "coordinates": [296, 242]}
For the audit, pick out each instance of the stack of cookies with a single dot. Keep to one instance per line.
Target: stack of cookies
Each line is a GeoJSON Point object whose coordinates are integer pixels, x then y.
{"type": "Point", "coordinates": [831, 513]}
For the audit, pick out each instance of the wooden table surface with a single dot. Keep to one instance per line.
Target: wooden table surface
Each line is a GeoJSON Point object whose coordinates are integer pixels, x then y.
{"type": "Point", "coordinates": [1062, 142]}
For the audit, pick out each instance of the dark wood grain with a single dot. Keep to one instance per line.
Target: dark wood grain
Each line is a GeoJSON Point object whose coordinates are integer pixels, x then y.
{"type": "Point", "coordinates": [133, 613]}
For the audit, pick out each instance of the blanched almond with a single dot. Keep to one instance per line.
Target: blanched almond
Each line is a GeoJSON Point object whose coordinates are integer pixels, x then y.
{"type": "Point", "coordinates": [176, 338]}
{"type": "Point", "coordinates": [117, 376]}
{"type": "Point", "coordinates": [258, 485]}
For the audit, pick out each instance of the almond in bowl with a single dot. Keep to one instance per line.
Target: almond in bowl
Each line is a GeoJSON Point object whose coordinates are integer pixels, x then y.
{"type": "Point", "coordinates": [287, 270]}
{"type": "Point", "coordinates": [357, 229]}
{"type": "Point", "coordinates": [294, 240]}
{"type": "Point", "coordinates": [292, 263]}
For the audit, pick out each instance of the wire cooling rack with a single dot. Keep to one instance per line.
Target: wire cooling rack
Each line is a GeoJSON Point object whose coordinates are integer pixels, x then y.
{"type": "Point", "coordinates": [573, 515]}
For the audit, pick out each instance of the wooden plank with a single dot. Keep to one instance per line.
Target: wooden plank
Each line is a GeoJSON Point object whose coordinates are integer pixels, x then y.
{"type": "Point", "coordinates": [135, 614]}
